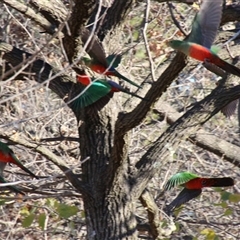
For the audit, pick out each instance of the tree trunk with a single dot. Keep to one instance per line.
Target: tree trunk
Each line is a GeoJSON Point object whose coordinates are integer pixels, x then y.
{"type": "Point", "coordinates": [109, 207]}
{"type": "Point", "coordinates": [110, 218]}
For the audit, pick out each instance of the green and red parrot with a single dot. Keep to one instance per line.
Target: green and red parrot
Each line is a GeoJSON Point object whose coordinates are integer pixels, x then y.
{"type": "Point", "coordinates": [99, 62]}
{"type": "Point", "coordinates": [106, 68]}
{"type": "Point", "coordinates": [7, 156]}
{"type": "Point", "coordinates": [193, 186]}
{"type": "Point", "coordinates": [204, 29]}
{"type": "Point", "coordinates": [98, 89]}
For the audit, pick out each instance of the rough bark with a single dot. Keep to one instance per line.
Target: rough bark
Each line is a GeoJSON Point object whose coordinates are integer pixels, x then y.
{"type": "Point", "coordinates": [30, 13]}
{"type": "Point", "coordinates": [72, 35]}
{"type": "Point", "coordinates": [109, 17]}
{"type": "Point", "coordinates": [61, 84]}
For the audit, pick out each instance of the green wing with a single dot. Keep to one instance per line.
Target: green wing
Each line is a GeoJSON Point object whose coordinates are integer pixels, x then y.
{"type": "Point", "coordinates": [114, 60]}
{"type": "Point", "coordinates": [4, 148]}
{"type": "Point", "coordinates": [178, 179]}
{"type": "Point", "coordinates": [96, 91]}
{"type": "Point", "coordinates": [206, 23]}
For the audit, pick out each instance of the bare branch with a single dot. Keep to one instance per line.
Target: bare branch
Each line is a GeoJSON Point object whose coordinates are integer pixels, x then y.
{"type": "Point", "coordinates": [204, 139]}
{"type": "Point", "coordinates": [153, 212]}
{"type": "Point", "coordinates": [132, 119]}
{"type": "Point", "coordinates": [53, 158]}
{"type": "Point", "coordinates": [54, 11]}
{"type": "Point", "coordinates": [184, 127]}
{"type": "Point", "coordinates": [61, 84]}
{"type": "Point", "coordinates": [30, 13]}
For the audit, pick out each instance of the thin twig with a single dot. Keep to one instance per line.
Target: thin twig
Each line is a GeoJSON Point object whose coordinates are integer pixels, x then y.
{"type": "Point", "coordinates": [170, 5]}
{"type": "Point", "coordinates": [146, 16]}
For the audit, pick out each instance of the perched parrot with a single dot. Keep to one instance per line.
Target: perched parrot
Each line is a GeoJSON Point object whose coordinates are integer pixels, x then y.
{"type": "Point", "coordinates": [7, 156]}
{"type": "Point", "coordinates": [204, 29]}
{"type": "Point", "coordinates": [193, 185]}
{"type": "Point", "coordinates": [97, 90]}
{"type": "Point", "coordinates": [99, 62]}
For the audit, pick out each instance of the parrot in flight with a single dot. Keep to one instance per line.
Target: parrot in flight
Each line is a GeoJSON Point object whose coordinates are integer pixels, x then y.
{"type": "Point", "coordinates": [193, 186]}
{"type": "Point", "coordinates": [2, 180]}
{"type": "Point", "coordinates": [106, 68]}
{"type": "Point", "coordinates": [7, 156]}
{"type": "Point", "coordinates": [204, 29]}
{"type": "Point", "coordinates": [97, 90]}
{"type": "Point", "coordinates": [99, 62]}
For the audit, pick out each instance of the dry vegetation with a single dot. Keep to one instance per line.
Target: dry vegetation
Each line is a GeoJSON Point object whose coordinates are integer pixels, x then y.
{"type": "Point", "coordinates": [33, 114]}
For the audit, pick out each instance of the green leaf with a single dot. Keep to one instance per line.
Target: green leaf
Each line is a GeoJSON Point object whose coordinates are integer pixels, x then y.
{"type": "Point", "coordinates": [225, 195]}
{"type": "Point", "coordinates": [41, 220]}
{"type": "Point", "coordinates": [234, 198]}
{"type": "Point", "coordinates": [228, 212]}
{"type": "Point", "coordinates": [218, 189]}
{"type": "Point", "coordinates": [66, 211]}
{"type": "Point", "coordinates": [140, 54]}
{"type": "Point", "coordinates": [25, 211]}
{"type": "Point", "coordinates": [178, 210]}
{"type": "Point", "coordinates": [209, 233]}
{"type": "Point", "coordinates": [83, 214]}
{"type": "Point", "coordinates": [178, 226]}
{"type": "Point", "coordinates": [2, 202]}
{"type": "Point", "coordinates": [164, 224]}
{"type": "Point", "coordinates": [222, 204]}
{"type": "Point", "coordinates": [51, 202]}
{"type": "Point", "coordinates": [71, 225]}
{"type": "Point", "coordinates": [27, 221]}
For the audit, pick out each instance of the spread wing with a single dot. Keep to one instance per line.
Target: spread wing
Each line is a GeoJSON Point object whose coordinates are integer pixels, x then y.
{"type": "Point", "coordinates": [206, 23]}
{"type": "Point", "coordinates": [95, 48]}
{"type": "Point", "coordinates": [114, 60]}
{"type": "Point", "coordinates": [96, 91]}
{"type": "Point", "coordinates": [178, 179]}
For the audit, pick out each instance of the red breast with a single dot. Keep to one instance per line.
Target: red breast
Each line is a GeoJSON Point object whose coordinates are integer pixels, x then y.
{"type": "Point", "coordinates": [199, 52]}
{"type": "Point", "coordinates": [84, 79]}
{"type": "Point", "coordinates": [7, 158]}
